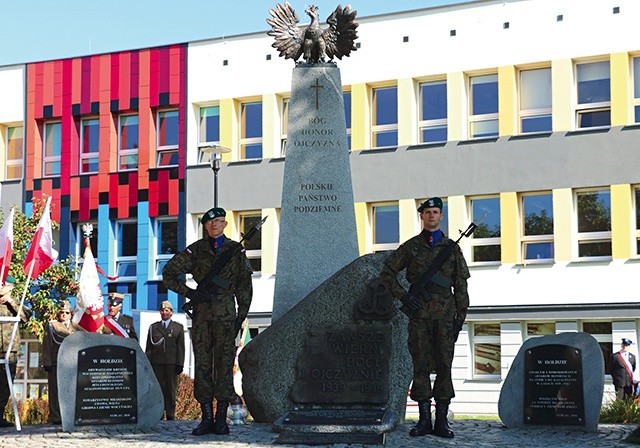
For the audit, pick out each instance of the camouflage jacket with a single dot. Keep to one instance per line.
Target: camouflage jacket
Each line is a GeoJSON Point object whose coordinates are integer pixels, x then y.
{"type": "Point", "coordinates": [415, 255]}
{"type": "Point", "coordinates": [197, 260]}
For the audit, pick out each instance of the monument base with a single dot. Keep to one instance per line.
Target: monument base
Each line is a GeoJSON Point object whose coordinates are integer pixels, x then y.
{"type": "Point", "coordinates": [326, 426]}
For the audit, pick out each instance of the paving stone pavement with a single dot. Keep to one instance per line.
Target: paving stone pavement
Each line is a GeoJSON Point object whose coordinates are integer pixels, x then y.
{"type": "Point", "coordinates": [469, 433]}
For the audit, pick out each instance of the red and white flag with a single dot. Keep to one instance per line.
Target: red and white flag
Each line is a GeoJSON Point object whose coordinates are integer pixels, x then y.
{"type": "Point", "coordinates": [89, 312]}
{"type": "Point", "coordinates": [6, 247]}
{"type": "Point", "coordinates": [41, 254]}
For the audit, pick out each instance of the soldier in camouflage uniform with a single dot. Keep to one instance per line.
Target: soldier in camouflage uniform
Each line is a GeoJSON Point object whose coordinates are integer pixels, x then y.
{"type": "Point", "coordinates": [434, 329]}
{"type": "Point", "coordinates": [9, 308]}
{"type": "Point", "coordinates": [215, 321]}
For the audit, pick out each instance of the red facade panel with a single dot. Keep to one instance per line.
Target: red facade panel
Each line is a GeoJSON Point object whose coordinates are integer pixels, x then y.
{"type": "Point", "coordinates": [104, 86]}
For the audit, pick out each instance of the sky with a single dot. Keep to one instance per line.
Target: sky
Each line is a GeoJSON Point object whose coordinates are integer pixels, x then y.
{"type": "Point", "coordinates": [40, 30]}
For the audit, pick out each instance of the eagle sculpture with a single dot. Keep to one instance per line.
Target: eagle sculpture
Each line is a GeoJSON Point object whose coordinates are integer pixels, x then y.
{"type": "Point", "coordinates": [312, 42]}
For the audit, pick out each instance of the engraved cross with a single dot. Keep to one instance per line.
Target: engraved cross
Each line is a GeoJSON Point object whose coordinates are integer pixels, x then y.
{"type": "Point", "coordinates": [317, 86]}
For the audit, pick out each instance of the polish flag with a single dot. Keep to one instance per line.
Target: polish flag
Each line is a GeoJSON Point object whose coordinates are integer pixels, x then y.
{"type": "Point", "coordinates": [6, 247]}
{"type": "Point", "coordinates": [41, 254]}
{"type": "Point", "coordinates": [89, 311]}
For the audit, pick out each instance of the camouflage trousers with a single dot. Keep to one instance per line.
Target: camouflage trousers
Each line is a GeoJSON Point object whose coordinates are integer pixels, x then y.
{"type": "Point", "coordinates": [214, 352]}
{"type": "Point", "coordinates": [431, 345]}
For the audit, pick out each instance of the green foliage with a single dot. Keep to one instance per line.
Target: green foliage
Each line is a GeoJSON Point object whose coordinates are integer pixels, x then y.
{"type": "Point", "coordinates": [32, 412]}
{"type": "Point", "coordinates": [53, 285]}
{"type": "Point", "coordinates": [621, 411]}
{"type": "Point", "coordinates": [187, 408]}
{"type": "Point", "coordinates": [538, 223]}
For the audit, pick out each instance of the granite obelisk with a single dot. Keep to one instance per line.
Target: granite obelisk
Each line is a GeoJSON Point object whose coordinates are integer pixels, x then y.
{"type": "Point", "coordinates": [317, 223]}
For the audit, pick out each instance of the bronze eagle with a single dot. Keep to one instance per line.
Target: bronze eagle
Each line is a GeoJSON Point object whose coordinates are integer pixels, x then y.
{"type": "Point", "coordinates": [312, 42]}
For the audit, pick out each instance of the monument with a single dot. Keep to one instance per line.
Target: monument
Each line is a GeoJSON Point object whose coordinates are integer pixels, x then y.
{"type": "Point", "coordinates": [317, 223]}
{"type": "Point", "coordinates": [107, 380]}
{"type": "Point", "coordinates": [333, 367]}
{"type": "Point", "coordinates": [555, 380]}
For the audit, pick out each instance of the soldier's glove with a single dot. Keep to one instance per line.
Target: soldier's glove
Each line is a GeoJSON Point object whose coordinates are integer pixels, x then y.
{"type": "Point", "coordinates": [410, 305]}
{"type": "Point", "coordinates": [237, 325]}
{"type": "Point", "coordinates": [179, 369]}
{"type": "Point", "coordinates": [196, 295]}
{"type": "Point", "coordinates": [457, 327]}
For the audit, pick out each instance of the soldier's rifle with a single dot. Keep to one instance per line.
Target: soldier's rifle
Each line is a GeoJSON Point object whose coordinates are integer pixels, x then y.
{"type": "Point", "coordinates": [212, 280]}
{"type": "Point", "coordinates": [419, 294]}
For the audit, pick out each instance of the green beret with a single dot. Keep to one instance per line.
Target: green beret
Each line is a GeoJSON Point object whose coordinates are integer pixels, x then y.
{"type": "Point", "coordinates": [429, 203]}
{"type": "Point", "coordinates": [215, 212]}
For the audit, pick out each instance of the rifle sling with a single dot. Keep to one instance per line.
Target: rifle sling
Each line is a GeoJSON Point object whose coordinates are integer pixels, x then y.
{"type": "Point", "coordinates": [221, 261]}
{"type": "Point", "coordinates": [439, 261]}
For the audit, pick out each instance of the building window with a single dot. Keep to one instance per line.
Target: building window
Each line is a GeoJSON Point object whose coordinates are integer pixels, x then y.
{"type": "Point", "coordinates": [209, 131]}
{"type": "Point", "coordinates": [166, 242]}
{"type": "Point", "coordinates": [594, 95]}
{"type": "Point", "coordinates": [483, 96]}
{"type": "Point", "coordinates": [485, 241]}
{"type": "Point", "coordinates": [284, 127]}
{"type": "Point", "coordinates": [167, 152]}
{"type": "Point", "coordinates": [384, 131]}
{"type": "Point", "coordinates": [31, 379]}
{"type": "Point", "coordinates": [14, 153]}
{"type": "Point", "coordinates": [486, 350]}
{"type": "Point", "coordinates": [51, 149]}
{"type": "Point", "coordinates": [540, 329]}
{"type": "Point", "coordinates": [537, 227]}
{"type": "Point", "coordinates": [251, 130]}
{"type": "Point", "coordinates": [386, 227]}
{"type": "Point", "coordinates": [594, 224]}
{"type": "Point", "coordinates": [126, 249]}
{"type": "Point", "coordinates": [433, 112]}
{"type": "Point", "coordinates": [89, 145]}
{"type": "Point", "coordinates": [636, 90]}
{"type": "Point", "coordinates": [346, 98]}
{"type": "Point", "coordinates": [253, 247]}
{"type": "Point", "coordinates": [128, 132]}
{"type": "Point", "coordinates": [535, 100]}
{"type": "Point", "coordinates": [637, 207]}
{"type": "Point", "coordinates": [602, 332]}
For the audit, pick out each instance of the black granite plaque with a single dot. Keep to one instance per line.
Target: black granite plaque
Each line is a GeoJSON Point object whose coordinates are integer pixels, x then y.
{"type": "Point", "coordinates": [346, 364]}
{"type": "Point", "coordinates": [553, 393]}
{"type": "Point", "coordinates": [106, 386]}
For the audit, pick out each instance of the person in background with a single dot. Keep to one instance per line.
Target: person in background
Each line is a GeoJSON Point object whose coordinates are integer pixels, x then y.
{"type": "Point", "coordinates": [55, 332]}
{"type": "Point", "coordinates": [114, 302]}
{"type": "Point", "coordinates": [9, 308]}
{"type": "Point", "coordinates": [165, 350]}
{"type": "Point", "coordinates": [623, 366]}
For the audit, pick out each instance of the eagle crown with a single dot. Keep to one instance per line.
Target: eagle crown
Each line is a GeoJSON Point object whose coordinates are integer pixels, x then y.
{"type": "Point", "coordinates": [311, 42]}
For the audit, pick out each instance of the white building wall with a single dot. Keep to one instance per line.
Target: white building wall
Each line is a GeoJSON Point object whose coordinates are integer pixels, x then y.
{"type": "Point", "coordinates": [588, 28]}
{"type": "Point", "coordinates": [12, 92]}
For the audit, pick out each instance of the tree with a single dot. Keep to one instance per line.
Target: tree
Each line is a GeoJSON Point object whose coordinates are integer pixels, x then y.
{"type": "Point", "coordinates": [53, 285]}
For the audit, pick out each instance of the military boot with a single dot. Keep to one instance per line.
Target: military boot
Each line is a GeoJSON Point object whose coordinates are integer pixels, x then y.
{"type": "Point", "coordinates": [207, 425]}
{"type": "Point", "coordinates": [221, 426]}
{"type": "Point", "coordinates": [424, 422]}
{"type": "Point", "coordinates": [442, 428]}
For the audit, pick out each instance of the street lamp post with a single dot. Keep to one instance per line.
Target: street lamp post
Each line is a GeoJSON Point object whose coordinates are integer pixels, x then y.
{"type": "Point", "coordinates": [215, 151]}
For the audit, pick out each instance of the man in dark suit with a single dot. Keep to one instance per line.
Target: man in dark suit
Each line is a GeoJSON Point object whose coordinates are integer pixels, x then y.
{"type": "Point", "coordinates": [623, 364]}
{"type": "Point", "coordinates": [165, 350]}
{"type": "Point", "coordinates": [114, 312]}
